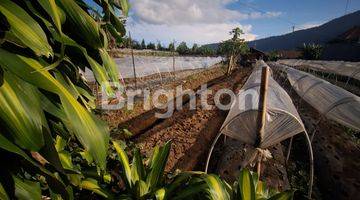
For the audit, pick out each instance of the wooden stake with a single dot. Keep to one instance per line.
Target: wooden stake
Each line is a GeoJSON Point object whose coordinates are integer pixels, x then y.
{"type": "Point", "coordinates": [262, 110]}
{"type": "Point", "coordinates": [133, 60]}
{"type": "Point", "coordinates": [173, 53]}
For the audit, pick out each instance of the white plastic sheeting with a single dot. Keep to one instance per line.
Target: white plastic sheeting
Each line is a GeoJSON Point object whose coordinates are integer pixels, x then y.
{"type": "Point", "coordinates": [282, 118]}
{"type": "Point", "coordinates": [148, 65]}
{"type": "Point", "coordinates": [349, 69]}
{"type": "Point", "coordinates": [330, 100]}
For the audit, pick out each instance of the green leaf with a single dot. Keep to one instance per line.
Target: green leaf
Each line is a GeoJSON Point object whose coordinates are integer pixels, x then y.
{"type": "Point", "coordinates": [3, 194]}
{"type": "Point", "coordinates": [216, 189]}
{"type": "Point", "coordinates": [286, 195]}
{"type": "Point", "coordinates": [92, 185]}
{"type": "Point", "coordinates": [27, 190]}
{"type": "Point", "coordinates": [246, 185]}
{"type": "Point", "coordinates": [137, 167]}
{"type": "Point", "coordinates": [25, 28]}
{"type": "Point", "coordinates": [100, 75]}
{"type": "Point", "coordinates": [21, 111]}
{"type": "Point", "coordinates": [160, 194]}
{"type": "Point", "coordinates": [109, 65]}
{"type": "Point", "coordinates": [54, 182]}
{"type": "Point", "coordinates": [125, 7]}
{"type": "Point", "coordinates": [190, 191]}
{"type": "Point", "coordinates": [157, 165]}
{"type": "Point", "coordinates": [92, 133]}
{"type": "Point", "coordinates": [59, 143]}
{"type": "Point", "coordinates": [84, 26]}
{"type": "Point", "coordinates": [54, 11]}
{"type": "Point", "coordinates": [66, 161]}
{"type": "Point", "coordinates": [141, 189]}
{"type": "Point", "coordinates": [124, 160]}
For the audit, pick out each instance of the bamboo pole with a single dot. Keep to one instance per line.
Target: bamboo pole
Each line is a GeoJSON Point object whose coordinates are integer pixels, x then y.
{"type": "Point", "coordinates": [133, 60]}
{"type": "Point", "coordinates": [262, 110]}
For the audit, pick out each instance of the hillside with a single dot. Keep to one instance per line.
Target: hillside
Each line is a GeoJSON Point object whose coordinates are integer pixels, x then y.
{"type": "Point", "coordinates": [318, 35]}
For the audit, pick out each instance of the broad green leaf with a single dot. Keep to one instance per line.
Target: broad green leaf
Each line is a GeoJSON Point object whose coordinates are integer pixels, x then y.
{"type": "Point", "coordinates": [216, 189]}
{"type": "Point", "coordinates": [124, 160]}
{"type": "Point", "coordinates": [141, 189]}
{"type": "Point", "coordinates": [137, 167]}
{"type": "Point", "coordinates": [246, 185]}
{"type": "Point", "coordinates": [114, 33]}
{"type": "Point", "coordinates": [53, 181]}
{"type": "Point", "coordinates": [92, 133]}
{"type": "Point", "coordinates": [1, 76]}
{"type": "Point", "coordinates": [125, 7]}
{"type": "Point", "coordinates": [3, 194]}
{"type": "Point", "coordinates": [66, 161]}
{"type": "Point", "coordinates": [59, 143]}
{"type": "Point", "coordinates": [109, 65]}
{"type": "Point", "coordinates": [92, 185]}
{"type": "Point", "coordinates": [117, 24]}
{"type": "Point", "coordinates": [100, 75]}
{"type": "Point", "coordinates": [25, 28]}
{"type": "Point", "coordinates": [86, 155]}
{"type": "Point", "coordinates": [286, 195]}
{"type": "Point", "coordinates": [191, 190]}
{"type": "Point", "coordinates": [21, 111]}
{"type": "Point", "coordinates": [160, 194]}
{"type": "Point", "coordinates": [83, 24]}
{"type": "Point", "coordinates": [54, 11]}
{"type": "Point", "coordinates": [27, 190]}
{"type": "Point", "coordinates": [157, 165]}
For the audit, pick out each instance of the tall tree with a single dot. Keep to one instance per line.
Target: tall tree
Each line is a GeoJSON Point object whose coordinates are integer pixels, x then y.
{"type": "Point", "coordinates": [195, 49]}
{"type": "Point", "coordinates": [233, 48]}
{"type": "Point", "coordinates": [171, 47]}
{"type": "Point", "coordinates": [143, 44]}
{"type": "Point", "coordinates": [182, 49]}
{"type": "Point", "coordinates": [159, 47]}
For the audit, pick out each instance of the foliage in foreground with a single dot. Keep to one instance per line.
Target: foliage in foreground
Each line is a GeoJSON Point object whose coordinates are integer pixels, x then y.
{"type": "Point", "coordinates": [51, 144]}
{"type": "Point", "coordinates": [47, 129]}
{"type": "Point", "coordinates": [147, 181]}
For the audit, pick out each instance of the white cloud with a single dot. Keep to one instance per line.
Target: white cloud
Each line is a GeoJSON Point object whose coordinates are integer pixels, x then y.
{"type": "Point", "coordinates": [200, 33]}
{"type": "Point", "coordinates": [307, 25]}
{"type": "Point", "coordinates": [200, 21]}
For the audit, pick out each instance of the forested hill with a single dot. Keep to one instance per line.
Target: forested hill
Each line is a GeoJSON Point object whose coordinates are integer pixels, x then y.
{"type": "Point", "coordinates": [317, 35]}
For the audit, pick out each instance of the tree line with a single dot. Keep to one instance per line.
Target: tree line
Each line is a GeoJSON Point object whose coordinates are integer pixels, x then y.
{"type": "Point", "coordinates": [181, 49]}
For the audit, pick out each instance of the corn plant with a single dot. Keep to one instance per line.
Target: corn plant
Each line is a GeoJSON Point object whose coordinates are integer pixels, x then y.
{"type": "Point", "coordinates": [145, 179]}
{"type": "Point", "coordinates": [45, 102]}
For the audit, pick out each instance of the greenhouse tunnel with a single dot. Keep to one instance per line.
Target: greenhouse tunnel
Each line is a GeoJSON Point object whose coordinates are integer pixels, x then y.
{"type": "Point", "coordinates": [330, 100]}
{"type": "Point", "coordinates": [349, 69]}
{"type": "Point", "coordinates": [282, 119]}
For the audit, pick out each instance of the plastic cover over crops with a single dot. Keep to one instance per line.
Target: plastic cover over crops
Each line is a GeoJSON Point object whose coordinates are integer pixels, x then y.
{"type": "Point", "coordinates": [349, 69]}
{"type": "Point", "coordinates": [148, 65]}
{"type": "Point", "coordinates": [282, 118]}
{"type": "Point", "coordinates": [330, 100]}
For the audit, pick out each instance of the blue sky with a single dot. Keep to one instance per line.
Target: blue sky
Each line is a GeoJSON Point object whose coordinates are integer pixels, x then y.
{"type": "Point", "coordinates": [208, 21]}
{"type": "Point", "coordinates": [304, 13]}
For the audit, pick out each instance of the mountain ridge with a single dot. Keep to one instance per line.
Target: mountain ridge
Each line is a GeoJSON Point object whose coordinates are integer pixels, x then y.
{"type": "Point", "coordinates": [317, 35]}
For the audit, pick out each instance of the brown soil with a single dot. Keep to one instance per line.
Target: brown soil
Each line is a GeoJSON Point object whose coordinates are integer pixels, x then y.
{"type": "Point", "coordinates": [189, 79]}
{"type": "Point", "coordinates": [191, 131]}
{"type": "Point", "coordinates": [232, 154]}
{"type": "Point", "coordinates": [336, 154]}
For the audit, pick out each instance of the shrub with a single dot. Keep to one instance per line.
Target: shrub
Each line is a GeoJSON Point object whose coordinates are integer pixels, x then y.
{"type": "Point", "coordinates": [311, 51]}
